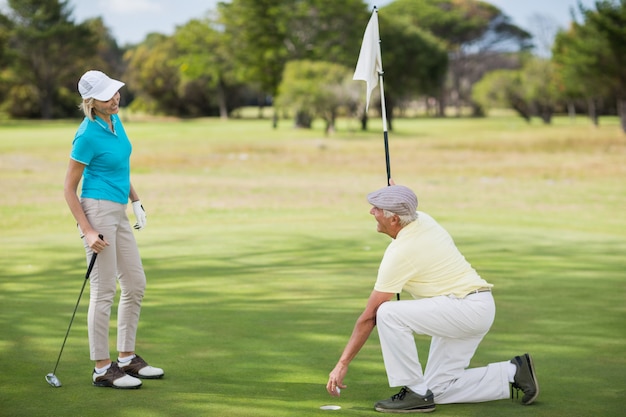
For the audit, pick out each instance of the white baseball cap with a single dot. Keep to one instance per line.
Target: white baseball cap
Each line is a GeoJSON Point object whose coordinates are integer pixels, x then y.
{"type": "Point", "coordinates": [96, 84]}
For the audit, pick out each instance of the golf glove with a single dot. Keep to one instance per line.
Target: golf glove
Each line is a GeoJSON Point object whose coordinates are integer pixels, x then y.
{"type": "Point", "coordinates": [140, 215]}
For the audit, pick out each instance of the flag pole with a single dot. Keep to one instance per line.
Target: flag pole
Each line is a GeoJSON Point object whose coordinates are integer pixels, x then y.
{"type": "Point", "coordinates": [385, 133]}
{"type": "Point", "coordinates": [385, 136]}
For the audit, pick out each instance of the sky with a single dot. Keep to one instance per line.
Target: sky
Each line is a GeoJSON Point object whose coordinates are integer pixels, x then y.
{"type": "Point", "coordinates": [131, 20]}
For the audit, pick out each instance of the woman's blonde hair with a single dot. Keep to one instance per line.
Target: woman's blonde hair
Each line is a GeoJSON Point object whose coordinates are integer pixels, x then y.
{"type": "Point", "coordinates": [87, 107]}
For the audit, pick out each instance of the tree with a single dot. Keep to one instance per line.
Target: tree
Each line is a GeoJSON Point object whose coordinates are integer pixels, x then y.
{"type": "Point", "coordinates": [476, 33]}
{"type": "Point", "coordinates": [543, 29]}
{"type": "Point", "coordinates": [325, 30]}
{"type": "Point", "coordinates": [6, 56]}
{"type": "Point", "coordinates": [591, 57]}
{"type": "Point", "coordinates": [315, 89]}
{"type": "Point", "coordinates": [530, 91]}
{"type": "Point", "coordinates": [256, 30]}
{"type": "Point", "coordinates": [204, 59]}
{"type": "Point", "coordinates": [414, 62]}
{"type": "Point", "coordinates": [5, 33]}
{"type": "Point", "coordinates": [539, 87]}
{"type": "Point", "coordinates": [609, 21]}
{"type": "Point", "coordinates": [109, 56]}
{"type": "Point", "coordinates": [154, 76]}
{"type": "Point", "coordinates": [49, 52]}
{"type": "Point", "coordinates": [502, 88]}
{"type": "Point", "coordinates": [265, 34]}
{"type": "Point", "coordinates": [574, 60]}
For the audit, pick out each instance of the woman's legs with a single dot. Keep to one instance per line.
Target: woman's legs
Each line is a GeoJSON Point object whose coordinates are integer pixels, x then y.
{"type": "Point", "coordinates": [132, 284]}
{"type": "Point", "coordinates": [120, 260]}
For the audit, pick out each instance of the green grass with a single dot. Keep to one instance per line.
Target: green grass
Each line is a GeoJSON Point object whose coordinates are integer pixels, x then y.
{"type": "Point", "coordinates": [260, 254]}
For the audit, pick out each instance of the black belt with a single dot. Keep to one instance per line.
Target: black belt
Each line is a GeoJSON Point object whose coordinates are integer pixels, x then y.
{"type": "Point", "coordinates": [485, 289]}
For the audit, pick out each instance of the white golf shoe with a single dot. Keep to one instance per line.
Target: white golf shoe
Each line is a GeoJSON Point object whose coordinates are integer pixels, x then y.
{"type": "Point", "coordinates": [115, 378]}
{"type": "Point", "coordinates": [138, 368]}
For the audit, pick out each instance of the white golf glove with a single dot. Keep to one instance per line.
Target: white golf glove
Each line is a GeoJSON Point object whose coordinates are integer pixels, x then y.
{"type": "Point", "coordinates": [140, 215]}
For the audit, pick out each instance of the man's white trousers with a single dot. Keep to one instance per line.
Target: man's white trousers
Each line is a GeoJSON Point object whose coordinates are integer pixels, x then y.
{"type": "Point", "coordinates": [457, 325]}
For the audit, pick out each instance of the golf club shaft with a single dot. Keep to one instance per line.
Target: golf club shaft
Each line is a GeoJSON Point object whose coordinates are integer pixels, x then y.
{"type": "Point", "coordinates": [91, 264]}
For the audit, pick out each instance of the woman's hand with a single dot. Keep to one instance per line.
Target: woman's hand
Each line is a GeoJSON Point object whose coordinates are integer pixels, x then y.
{"type": "Point", "coordinates": [95, 243]}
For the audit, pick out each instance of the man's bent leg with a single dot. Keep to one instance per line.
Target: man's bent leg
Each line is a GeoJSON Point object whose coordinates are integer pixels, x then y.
{"type": "Point", "coordinates": [487, 383]}
{"type": "Point", "coordinates": [398, 345]}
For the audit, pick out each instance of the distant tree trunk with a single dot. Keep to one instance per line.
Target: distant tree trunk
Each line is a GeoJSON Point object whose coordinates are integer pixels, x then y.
{"type": "Point", "coordinates": [546, 112]}
{"type": "Point", "coordinates": [621, 111]}
{"type": "Point", "coordinates": [261, 101]}
{"type": "Point", "coordinates": [221, 99]}
{"type": "Point", "coordinates": [456, 98]}
{"type": "Point", "coordinates": [427, 106]}
{"type": "Point", "coordinates": [389, 120]}
{"type": "Point", "coordinates": [442, 105]}
{"type": "Point", "coordinates": [457, 65]}
{"type": "Point", "coordinates": [364, 120]}
{"type": "Point", "coordinates": [477, 109]}
{"type": "Point", "coordinates": [330, 122]}
{"type": "Point", "coordinates": [521, 107]}
{"type": "Point", "coordinates": [546, 116]}
{"type": "Point", "coordinates": [46, 97]}
{"type": "Point", "coordinates": [571, 109]}
{"type": "Point", "coordinates": [303, 119]}
{"type": "Point", "coordinates": [46, 106]}
{"type": "Point", "coordinates": [593, 112]}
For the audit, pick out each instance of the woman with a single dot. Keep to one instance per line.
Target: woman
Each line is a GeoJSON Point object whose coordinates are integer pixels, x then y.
{"type": "Point", "coordinates": [100, 156]}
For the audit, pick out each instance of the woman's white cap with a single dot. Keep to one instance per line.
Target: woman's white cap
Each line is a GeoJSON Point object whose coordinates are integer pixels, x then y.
{"type": "Point", "coordinates": [96, 84]}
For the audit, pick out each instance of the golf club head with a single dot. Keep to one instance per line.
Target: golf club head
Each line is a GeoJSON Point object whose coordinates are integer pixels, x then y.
{"type": "Point", "coordinates": [53, 380]}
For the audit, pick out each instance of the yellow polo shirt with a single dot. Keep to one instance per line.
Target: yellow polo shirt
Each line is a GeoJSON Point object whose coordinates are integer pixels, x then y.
{"type": "Point", "coordinates": [424, 261]}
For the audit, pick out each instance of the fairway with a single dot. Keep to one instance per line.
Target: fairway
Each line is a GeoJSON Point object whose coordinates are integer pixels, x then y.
{"type": "Point", "coordinates": [260, 254]}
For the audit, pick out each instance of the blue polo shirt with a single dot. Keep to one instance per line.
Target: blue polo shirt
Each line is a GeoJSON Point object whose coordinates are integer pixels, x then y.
{"type": "Point", "coordinates": [106, 156]}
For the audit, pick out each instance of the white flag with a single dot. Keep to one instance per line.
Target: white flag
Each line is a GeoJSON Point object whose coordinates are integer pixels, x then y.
{"type": "Point", "coordinates": [370, 63]}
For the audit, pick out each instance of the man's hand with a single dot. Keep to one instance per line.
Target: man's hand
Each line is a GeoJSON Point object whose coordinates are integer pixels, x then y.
{"type": "Point", "coordinates": [362, 329]}
{"type": "Point", "coordinates": [140, 215]}
{"type": "Point", "coordinates": [335, 380]}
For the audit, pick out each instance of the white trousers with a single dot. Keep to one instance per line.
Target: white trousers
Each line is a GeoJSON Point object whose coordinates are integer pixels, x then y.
{"type": "Point", "coordinates": [457, 325]}
{"type": "Point", "coordinates": [120, 261]}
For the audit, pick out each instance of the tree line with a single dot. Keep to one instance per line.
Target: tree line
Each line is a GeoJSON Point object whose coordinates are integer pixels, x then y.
{"type": "Point", "coordinates": [586, 72]}
{"type": "Point", "coordinates": [298, 56]}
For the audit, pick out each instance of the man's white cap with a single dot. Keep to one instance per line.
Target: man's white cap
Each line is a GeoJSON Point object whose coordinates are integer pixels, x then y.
{"type": "Point", "coordinates": [96, 84]}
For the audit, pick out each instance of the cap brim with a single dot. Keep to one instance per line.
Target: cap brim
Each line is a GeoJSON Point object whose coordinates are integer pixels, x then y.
{"type": "Point", "coordinates": [110, 90]}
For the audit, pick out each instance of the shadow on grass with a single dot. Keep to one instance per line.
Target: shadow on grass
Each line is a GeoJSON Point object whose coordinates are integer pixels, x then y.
{"type": "Point", "coordinates": [251, 327]}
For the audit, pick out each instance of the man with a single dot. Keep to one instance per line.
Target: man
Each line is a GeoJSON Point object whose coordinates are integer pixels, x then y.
{"type": "Point", "coordinates": [451, 303]}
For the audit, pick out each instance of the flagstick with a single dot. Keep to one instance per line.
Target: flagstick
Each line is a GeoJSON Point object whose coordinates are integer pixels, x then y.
{"type": "Point", "coordinates": [385, 134]}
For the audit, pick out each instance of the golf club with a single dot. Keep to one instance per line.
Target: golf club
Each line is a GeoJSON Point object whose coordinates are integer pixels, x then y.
{"type": "Point", "coordinates": [51, 378]}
